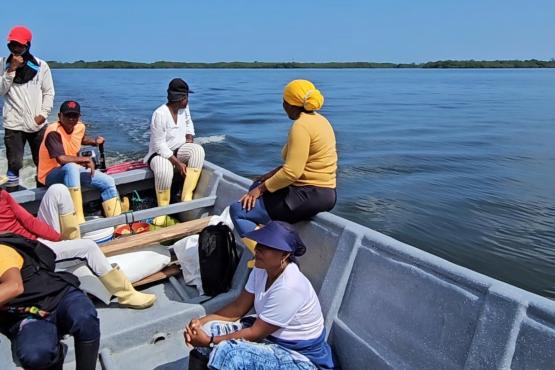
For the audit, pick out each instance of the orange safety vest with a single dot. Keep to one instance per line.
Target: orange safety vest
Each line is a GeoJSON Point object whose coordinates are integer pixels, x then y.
{"type": "Point", "coordinates": [71, 143]}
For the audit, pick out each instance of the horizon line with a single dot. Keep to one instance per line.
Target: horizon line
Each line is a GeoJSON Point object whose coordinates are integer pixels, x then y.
{"type": "Point", "coordinates": [441, 64]}
{"type": "Point", "coordinates": [305, 62]}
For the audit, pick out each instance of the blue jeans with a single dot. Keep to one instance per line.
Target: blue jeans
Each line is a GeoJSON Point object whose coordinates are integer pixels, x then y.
{"type": "Point", "coordinates": [246, 221]}
{"type": "Point", "coordinates": [74, 176]}
{"type": "Point", "coordinates": [37, 341]}
{"type": "Point", "coordinates": [241, 354]}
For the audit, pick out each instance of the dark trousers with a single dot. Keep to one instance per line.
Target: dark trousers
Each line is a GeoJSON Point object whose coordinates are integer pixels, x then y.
{"type": "Point", "coordinates": [291, 204]}
{"type": "Point", "coordinates": [37, 342]}
{"type": "Point", "coordinates": [297, 203]}
{"type": "Point", "coordinates": [15, 147]}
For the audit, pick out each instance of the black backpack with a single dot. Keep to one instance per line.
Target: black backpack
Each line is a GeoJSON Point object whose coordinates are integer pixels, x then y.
{"type": "Point", "coordinates": [218, 258]}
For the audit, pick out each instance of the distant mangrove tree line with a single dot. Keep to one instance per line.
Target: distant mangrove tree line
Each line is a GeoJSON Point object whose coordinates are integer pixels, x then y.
{"type": "Point", "coordinates": [113, 64]}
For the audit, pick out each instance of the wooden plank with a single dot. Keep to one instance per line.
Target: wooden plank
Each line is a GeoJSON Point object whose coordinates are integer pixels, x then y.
{"type": "Point", "coordinates": [132, 242]}
{"type": "Point", "coordinates": [161, 275]}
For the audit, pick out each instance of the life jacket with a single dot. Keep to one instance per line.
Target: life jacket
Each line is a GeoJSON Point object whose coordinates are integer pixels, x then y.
{"type": "Point", "coordinates": [42, 286]}
{"type": "Point", "coordinates": [71, 143]}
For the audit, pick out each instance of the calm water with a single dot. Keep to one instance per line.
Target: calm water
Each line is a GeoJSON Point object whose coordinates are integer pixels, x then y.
{"type": "Point", "coordinates": [459, 163]}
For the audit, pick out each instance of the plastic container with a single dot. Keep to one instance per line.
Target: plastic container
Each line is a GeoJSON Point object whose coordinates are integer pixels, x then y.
{"type": "Point", "coordinates": [99, 236]}
{"type": "Point", "coordinates": [134, 228]}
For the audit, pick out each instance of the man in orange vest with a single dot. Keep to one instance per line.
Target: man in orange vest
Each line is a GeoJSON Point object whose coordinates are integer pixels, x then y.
{"type": "Point", "coordinates": [59, 161]}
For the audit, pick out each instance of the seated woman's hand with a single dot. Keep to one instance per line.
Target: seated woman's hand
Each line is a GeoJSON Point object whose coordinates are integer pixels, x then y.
{"type": "Point", "coordinates": [248, 200]}
{"type": "Point", "coordinates": [195, 324]}
{"type": "Point", "coordinates": [195, 335]}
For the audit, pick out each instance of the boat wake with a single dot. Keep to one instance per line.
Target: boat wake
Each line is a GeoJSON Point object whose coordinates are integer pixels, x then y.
{"type": "Point", "coordinates": [210, 139]}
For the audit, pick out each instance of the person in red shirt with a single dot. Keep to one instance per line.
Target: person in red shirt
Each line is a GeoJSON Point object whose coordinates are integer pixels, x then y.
{"type": "Point", "coordinates": [15, 219]}
{"type": "Point", "coordinates": [57, 227]}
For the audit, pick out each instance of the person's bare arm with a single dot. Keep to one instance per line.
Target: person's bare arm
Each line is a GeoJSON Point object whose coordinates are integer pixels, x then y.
{"type": "Point", "coordinates": [195, 336]}
{"type": "Point", "coordinates": [267, 175]}
{"type": "Point", "coordinates": [83, 161]}
{"type": "Point", "coordinates": [65, 159]}
{"type": "Point", "coordinates": [233, 311]}
{"type": "Point", "coordinates": [11, 285]}
{"type": "Point", "coordinates": [193, 332]}
{"type": "Point", "coordinates": [87, 140]}
{"type": "Point", "coordinates": [54, 145]}
{"type": "Point", "coordinates": [189, 138]}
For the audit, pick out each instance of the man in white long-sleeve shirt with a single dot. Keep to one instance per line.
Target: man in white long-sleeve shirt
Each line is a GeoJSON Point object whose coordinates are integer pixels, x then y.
{"type": "Point", "coordinates": [28, 91]}
{"type": "Point", "coordinates": [171, 147]}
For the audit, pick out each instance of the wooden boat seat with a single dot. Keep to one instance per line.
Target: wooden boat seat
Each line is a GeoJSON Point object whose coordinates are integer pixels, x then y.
{"type": "Point", "coordinates": [166, 272]}
{"type": "Point", "coordinates": [134, 242]}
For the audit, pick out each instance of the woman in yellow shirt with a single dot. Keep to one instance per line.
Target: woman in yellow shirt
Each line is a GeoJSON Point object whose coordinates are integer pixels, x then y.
{"type": "Point", "coordinates": [305, 183]}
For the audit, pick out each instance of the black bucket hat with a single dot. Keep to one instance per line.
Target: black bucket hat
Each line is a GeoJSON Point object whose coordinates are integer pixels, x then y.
{"type": "Point", "coordinates": [178, 90]}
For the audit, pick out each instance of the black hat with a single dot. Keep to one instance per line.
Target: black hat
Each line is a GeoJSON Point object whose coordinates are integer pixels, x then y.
{"type": "Point", "coordinates": [70, 106]}
{"type": "Point", "coordinates": [178, 89]}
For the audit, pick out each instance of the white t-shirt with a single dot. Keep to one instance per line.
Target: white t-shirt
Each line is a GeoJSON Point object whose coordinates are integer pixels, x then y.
{"type": "Point", "coordinates": [167, 136]}
{"type": "Point", "coordinates": [290, 303]}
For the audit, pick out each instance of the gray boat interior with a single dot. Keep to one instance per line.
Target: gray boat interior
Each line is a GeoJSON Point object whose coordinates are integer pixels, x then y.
{"type": "Point", "coordinates": [387, 305]}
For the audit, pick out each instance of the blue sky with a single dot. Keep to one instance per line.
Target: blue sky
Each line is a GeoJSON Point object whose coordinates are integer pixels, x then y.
{"type": "Point", "coordinates": [263, 30]}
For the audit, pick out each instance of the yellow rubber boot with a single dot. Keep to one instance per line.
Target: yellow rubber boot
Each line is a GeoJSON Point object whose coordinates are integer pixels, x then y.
{"type": "Point", "coordinates": [163, 199]}
{"type": "Point", "coordinates": [77, 199]}
{"type": "Point", "coordinates": [190, 183]}
{"type": "Point", "coordinates": [120, 286]}
{"type": "Point", "coordinates": [250, 244]}
{"type": "Point", "coordinates": [125, 206]}
{"type": "Point", "coordinates": [112, 207]}
{"type": "Point", "coordinates": [69, 226]}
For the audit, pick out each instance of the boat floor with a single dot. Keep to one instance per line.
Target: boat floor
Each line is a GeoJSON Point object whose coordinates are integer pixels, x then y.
{"type": "Point", "coordinates": [150, 338]}
{"type": "Point", "coordinates": [168, 354]}
{"type": "Point", "coordinates": [143, 339]}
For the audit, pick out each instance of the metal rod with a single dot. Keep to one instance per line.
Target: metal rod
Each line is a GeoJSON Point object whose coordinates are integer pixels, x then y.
{"type": "Point", "coordinates": [130, 217]}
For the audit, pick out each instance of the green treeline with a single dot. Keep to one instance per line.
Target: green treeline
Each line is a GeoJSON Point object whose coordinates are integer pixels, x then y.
{"type": "Point", "coordinates": [532, 63]}
{"type": "Point", "coordinates": [112, 64]}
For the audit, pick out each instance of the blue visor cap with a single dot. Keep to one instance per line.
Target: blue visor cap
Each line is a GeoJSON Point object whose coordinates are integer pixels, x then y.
{"type": "Point", "coordinates": [279, 235]}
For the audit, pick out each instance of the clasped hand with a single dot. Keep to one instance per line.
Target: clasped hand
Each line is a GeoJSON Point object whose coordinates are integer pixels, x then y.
{"type": "Point", "coordinates": [194, 334]}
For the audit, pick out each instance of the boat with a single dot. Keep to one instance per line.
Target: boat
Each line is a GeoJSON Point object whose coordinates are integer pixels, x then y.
{"type": "Point", "coordinates": [386, 304]}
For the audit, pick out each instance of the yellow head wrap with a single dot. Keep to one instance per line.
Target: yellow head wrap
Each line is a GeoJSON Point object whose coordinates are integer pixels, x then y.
{"type": "Point", "coordinates": [302, 93]}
